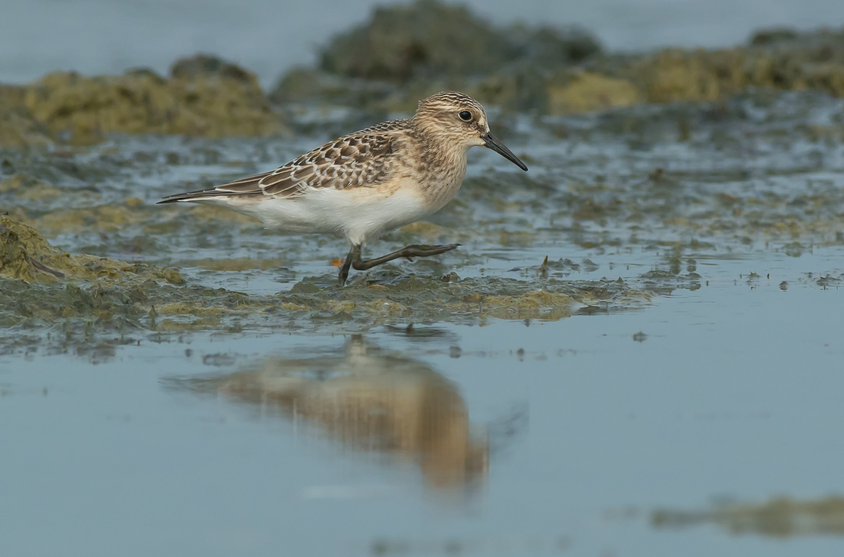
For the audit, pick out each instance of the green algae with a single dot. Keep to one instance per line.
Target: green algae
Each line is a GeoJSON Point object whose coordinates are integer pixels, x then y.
{"type": "Point", "coordinates": [27, 256]}
{"type": "Point", "coordinates": [577, 92]}
{"type": "Point", "coordinates": [17, 126]}
{"type": "Point", "coordinates": [45, 288]}
{"type": "Point", "coordinates": [235, 264]}
{"type": "Point", "coordinates": [421, 38]}
{"type": "Point", "coordinates": [88, 108]}
{"type": "Point", "coordinates": [204, 96]}
{"type": "Point", "coordinates": [655, 186]}
{"type": "Point", "coordinates": [403, 53]}
{"type": "Point", "coordinates": [780, 517]}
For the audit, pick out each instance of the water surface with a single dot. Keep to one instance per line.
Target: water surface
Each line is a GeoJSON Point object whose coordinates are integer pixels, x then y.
{"type": "Point", "coordinates": [695, 364]}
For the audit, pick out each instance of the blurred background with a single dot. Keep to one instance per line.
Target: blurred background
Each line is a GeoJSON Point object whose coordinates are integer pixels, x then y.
{"type": "Point", "coordinates": [269, 36]}
{"type": "Point", "coordinates": [635, 351]}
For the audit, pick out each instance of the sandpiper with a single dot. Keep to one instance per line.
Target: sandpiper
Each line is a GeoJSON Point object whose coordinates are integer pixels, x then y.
{"type": "Point", "coordinates": [369, 182]}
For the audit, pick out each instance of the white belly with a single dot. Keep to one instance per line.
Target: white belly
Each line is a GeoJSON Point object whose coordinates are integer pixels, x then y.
{"type": "Point", "coordinates": [359, 214]}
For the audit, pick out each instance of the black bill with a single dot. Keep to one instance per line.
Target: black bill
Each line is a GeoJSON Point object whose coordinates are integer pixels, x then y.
{"type": "Point", "coordinates": [493, 143]}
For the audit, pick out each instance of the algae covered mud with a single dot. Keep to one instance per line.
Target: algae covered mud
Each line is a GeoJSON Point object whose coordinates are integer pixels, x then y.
{"type": "Point", "coordinates": [637, 340]}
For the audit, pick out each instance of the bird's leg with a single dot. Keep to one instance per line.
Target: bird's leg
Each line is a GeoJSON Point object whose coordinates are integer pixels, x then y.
{"type": "Point", "coordinates": [407, 252]}
{"type": "Point", "coordinates": [353, 258]}
{"type": "Point", "coordinates": [354, 253]}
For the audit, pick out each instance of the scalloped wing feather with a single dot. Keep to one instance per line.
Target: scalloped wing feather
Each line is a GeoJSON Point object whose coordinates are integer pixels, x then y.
{"type": "Point", "coordinates": [360, 159]}
{"type": "Point", "coordinates": [356, 160]}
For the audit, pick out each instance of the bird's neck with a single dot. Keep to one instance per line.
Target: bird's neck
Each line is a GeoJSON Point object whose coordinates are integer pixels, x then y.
{"type": "Point", "coordinates": [442, 155]}
{"type": "Point", "coordinates": [441, 166]}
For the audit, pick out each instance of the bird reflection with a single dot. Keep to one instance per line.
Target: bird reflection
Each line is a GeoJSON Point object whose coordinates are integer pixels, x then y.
{"type": "Point", "coordinates": [371, 400]}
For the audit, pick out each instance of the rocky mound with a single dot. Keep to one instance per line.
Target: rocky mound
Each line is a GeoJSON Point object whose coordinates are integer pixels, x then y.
{"type": "Point", "coordinates": [404, 53]}
{"type": "Point", "coordinates": [25, 255]}
{"type": "Point", "coordinates": [204, 96]}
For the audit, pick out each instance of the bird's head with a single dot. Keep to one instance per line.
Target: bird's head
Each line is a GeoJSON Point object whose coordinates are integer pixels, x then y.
{"type": "Point", "coordinates": [458, 119]}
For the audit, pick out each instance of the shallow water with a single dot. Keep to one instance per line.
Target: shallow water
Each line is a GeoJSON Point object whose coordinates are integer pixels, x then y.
{"type": "Point", "coordinates": [733, 393]}
{"type": "Point", "coordinates": [270, 36]}
{"type": "Point", "coordinates": [679, 349]}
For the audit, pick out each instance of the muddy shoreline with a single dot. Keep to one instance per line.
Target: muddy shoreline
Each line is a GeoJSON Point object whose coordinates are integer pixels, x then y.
{"type": "Point", "coordinates": [660, 158]}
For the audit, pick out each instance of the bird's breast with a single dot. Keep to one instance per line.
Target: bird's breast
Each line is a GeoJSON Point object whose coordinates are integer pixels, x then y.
{"type": "Point", "coordinates": [441, 185]}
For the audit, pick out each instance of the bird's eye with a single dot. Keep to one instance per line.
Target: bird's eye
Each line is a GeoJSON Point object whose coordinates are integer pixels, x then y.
{"type": "Point", "coordinates": [465, 115]}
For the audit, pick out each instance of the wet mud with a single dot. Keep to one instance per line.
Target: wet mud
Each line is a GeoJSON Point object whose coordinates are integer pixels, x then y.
{"type": "Point", "coordinates": [86, 250]}
{"type": "Point", "coordinates": [97, 297]}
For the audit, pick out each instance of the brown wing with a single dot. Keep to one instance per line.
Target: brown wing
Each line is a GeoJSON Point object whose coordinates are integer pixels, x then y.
{"type": "Point", "coordinates": [360, 159]}
{"type": "Point", "coordinates": [352, 161]}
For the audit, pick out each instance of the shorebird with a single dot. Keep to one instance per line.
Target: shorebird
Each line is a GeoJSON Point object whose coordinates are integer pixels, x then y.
{"type": "Point", "coordinates": [368, 399]}
{"type": "Point", "coordinates": [369, 182]}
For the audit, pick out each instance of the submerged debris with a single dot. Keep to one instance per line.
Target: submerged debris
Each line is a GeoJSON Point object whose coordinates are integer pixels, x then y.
{"type": "Point", "coordinates": [778, 517]}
